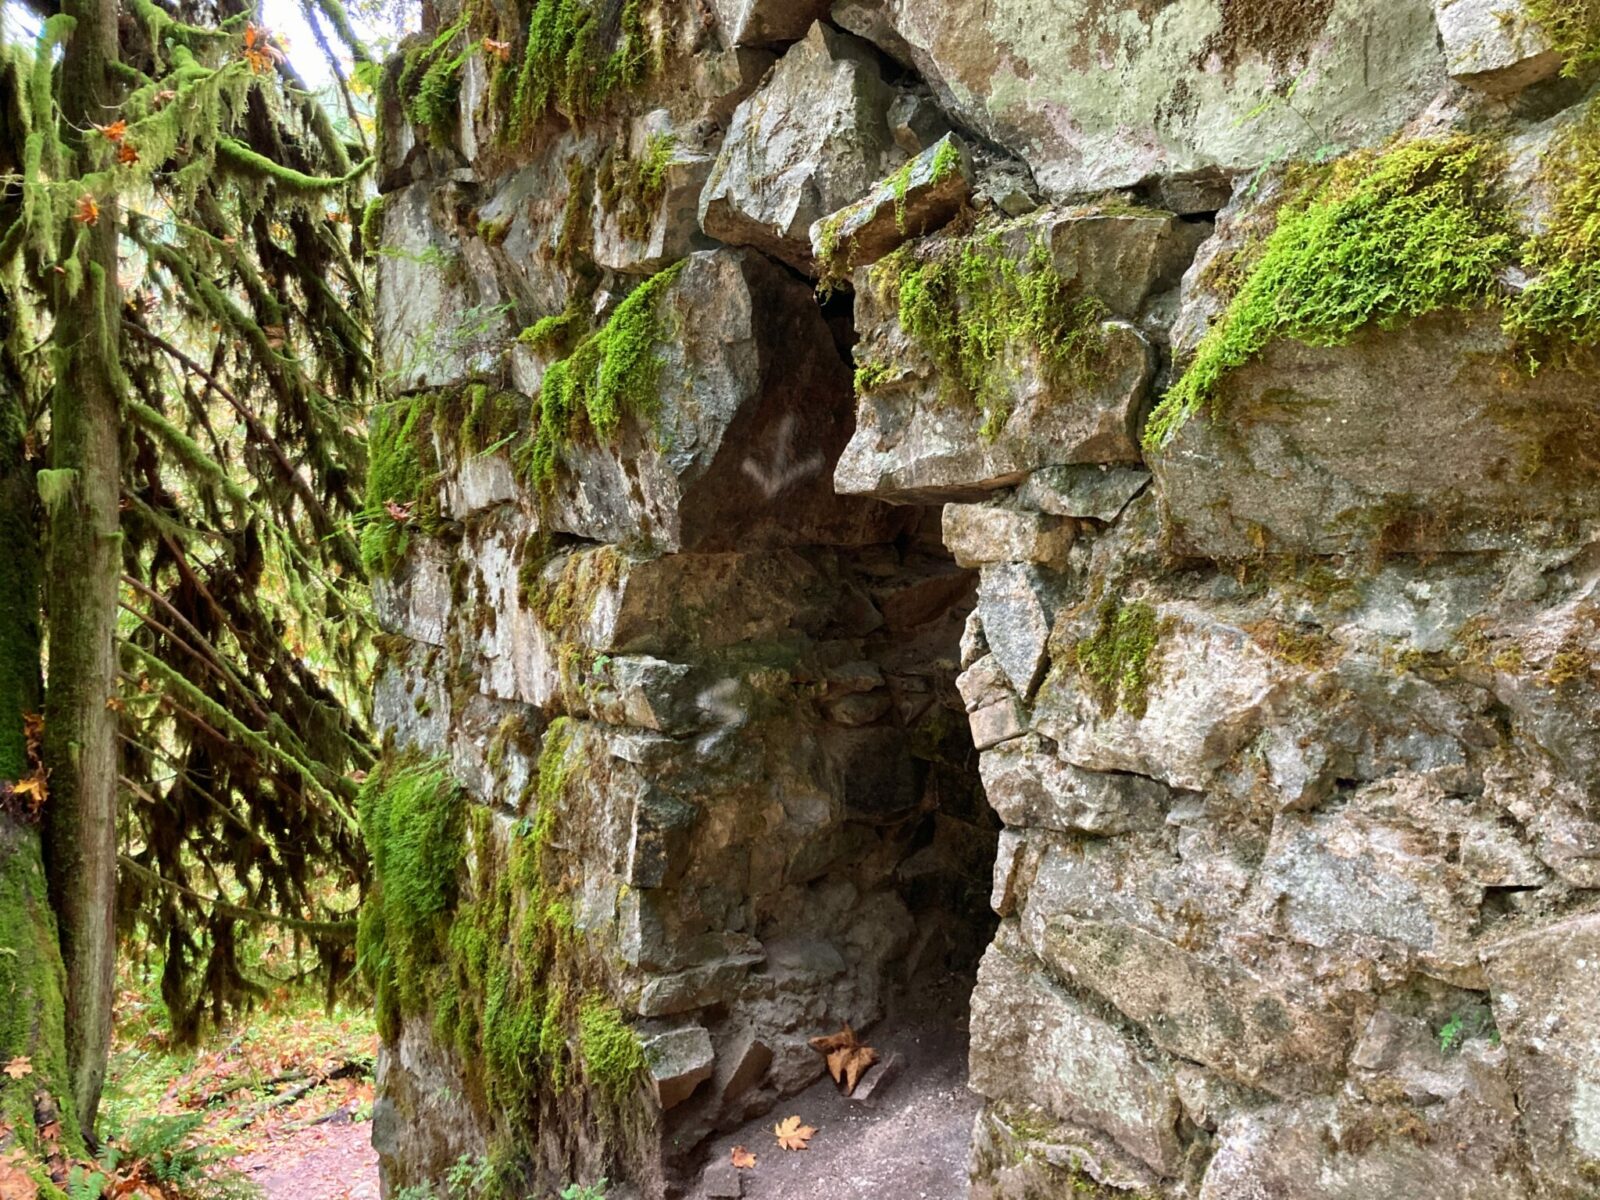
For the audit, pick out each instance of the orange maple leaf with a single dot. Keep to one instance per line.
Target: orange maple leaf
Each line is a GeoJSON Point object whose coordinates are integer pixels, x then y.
{"type": "Point", "coordinates": [260, 51]}
{"type": "Point", "coordinates": [792, 1135]}
{"type": "Point", "coordinates": [743, 1159]}
{"type": "Point", "coordinates": [126, 154]}
{"type": "Point", "coordinates": [501, 50]}
{"type": "Point", "coordinates": [88, 211]}
{"type": "Point", "coordinates": [115, 131]}
{"type": "Point", "coordinates": [18, 1067]}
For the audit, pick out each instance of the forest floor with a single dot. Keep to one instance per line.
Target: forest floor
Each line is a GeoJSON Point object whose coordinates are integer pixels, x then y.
{"type": "Point", "coordinates": [285, 1094]}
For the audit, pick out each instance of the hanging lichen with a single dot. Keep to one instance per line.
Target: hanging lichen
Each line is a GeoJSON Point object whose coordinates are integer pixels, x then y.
{"type": "Point", "coordinates": [569, 67]}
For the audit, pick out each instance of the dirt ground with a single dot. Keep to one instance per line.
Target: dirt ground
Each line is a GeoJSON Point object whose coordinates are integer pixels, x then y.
{"type": "Point", "coordinates": [324, 1162]}
{"type": "Point", "coordinates": [910, 1145]}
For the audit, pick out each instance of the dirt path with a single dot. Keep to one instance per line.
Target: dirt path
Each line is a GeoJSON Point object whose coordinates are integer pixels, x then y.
{"type": "Point", "coordinates": [324, 1162]}
{"type": "Point", "coordinates": [911, 1145]}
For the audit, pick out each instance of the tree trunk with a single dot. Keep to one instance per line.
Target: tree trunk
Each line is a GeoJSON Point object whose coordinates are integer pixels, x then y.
{"type": "Point", "coordinates": [32, 979]}
{"type": "Point", "coordinates": [81, 591]}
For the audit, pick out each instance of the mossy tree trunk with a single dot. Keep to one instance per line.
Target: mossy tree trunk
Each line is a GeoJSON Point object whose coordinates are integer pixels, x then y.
{"type": "Point", "coordinates": [82, 574]}
{"type": "Point", "coordinates": [32, 979]}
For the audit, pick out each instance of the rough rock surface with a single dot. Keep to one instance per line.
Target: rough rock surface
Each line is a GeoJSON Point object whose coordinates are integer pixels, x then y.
{"type": "Point", "coordinates": [1257, 769]}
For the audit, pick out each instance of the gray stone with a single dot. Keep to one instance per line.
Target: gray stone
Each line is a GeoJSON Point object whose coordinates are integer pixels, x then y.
{"type": "Point", "coordinates": [920, 197]}
{"type": "Point", "coordinates": [1285, 459]}
{"type": "Point", "coordinates": [439, 323]}
{"type": "Point", "coordinates": [722, 1181]}
{"type": "Point", "coordinates": [415, 599]}
{"type": "Point", "coordinates": [754, 408]}
{"type": "Point", "coordinates": [996, 723]}
{"type": "Point", "coordinates": [1033, 1043]}
{"type": "Point", "coordinates": [1494, 45]}
{"type": "Point", "coordinates": [870, 1088]}
{"type": "Point", "coordinates": [1220, 1018]}
{"type": "Point", "coordinates": [1018, 604]}
{"type": "Point", "coordinates": [1097, 492]}
{"type": "Point", "coordinates": [1117, 94]}
{"type": "Point", "coordinates": [1545, 987]}
{"type": "Point", "coordinates": [678, 1061]}
{"type": "Point", "coordinates": [747, 1063]}
{"type": "Point", "coordinates": [812, 139]}
{"type": "Point", "coordinates": [1028, 786]}
{"type": "Point", "coordinates": [699, 987]}
{"type": "Point", "coordinates": [672, 229]}
{"type": "Point", "coordinates": [759, 22]}
{"type": "Point", "coordinates": [912, 444]}
{"type": "Point", "coordinates": [980, 534]}
{"type": "Point", "coordinates": [916, 122]}
{"type": "Point", "coordinates": [658, 847]}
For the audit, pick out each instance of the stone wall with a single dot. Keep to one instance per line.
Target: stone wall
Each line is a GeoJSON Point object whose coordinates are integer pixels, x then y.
{"type": "Point", "coordinates": [771, 390]}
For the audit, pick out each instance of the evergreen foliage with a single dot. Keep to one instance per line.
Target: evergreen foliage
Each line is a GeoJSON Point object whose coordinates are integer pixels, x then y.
{"type": "Point", "coordinates": [244, 376]}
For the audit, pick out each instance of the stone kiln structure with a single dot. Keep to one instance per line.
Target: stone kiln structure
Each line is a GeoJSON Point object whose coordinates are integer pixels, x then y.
{"type": "Point", "coordinates": [755, 649]}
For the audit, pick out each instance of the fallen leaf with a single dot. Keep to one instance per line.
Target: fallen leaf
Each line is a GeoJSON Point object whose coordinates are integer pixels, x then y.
{"type": "Point", "coordinates": [846, 1056]}
{"type": "Point", "coordinates": [115, 131]}
{"type": "Point", "coordinates": [126, 154]}
{"type": "Point", "coordinates": [743, 1159]}
{"type": "Point", "coordinates": [400, 513]}
{"type": "Point", "coordinates": [115, 704]}
{"type": "Point", "coordinates": [501, 50]}
{"type": "Point", "coordinates": [792, 1135]}
{"type": "Point", "coordinates": [88, 210]}
{"type": "Point", "coordinates": [15, 1183]}
{"type": "Point", "coordinates": [18, 1067]}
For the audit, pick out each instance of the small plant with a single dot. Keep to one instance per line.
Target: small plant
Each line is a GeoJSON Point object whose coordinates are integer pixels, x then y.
{"type": "Point", "coordinates": [1452, 1034]}
{"type": "Point", "coordinates": [585, 1191]}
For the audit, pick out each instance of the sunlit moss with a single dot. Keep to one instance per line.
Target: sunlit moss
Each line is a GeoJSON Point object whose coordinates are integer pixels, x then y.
{"type": "Point", "coordinates": [1115, 660]}
{"type": "Point", "coordinates": [1379, 237]}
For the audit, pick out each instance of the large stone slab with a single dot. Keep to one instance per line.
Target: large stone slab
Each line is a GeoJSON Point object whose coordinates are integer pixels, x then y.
{"type": "Point", "coordinates": [1423, 439]}
{"type": "Point", "coordinates": [1034, 1044]}
{"type": "Point", "coordinates": [442, 317]}
{"type": "Point", "coordinates": [1495, 45]}
{"type": "Point", "coordinates": [811, 140]}
{"type": "Point", "coordinates": [1546, 989]}
{"type": "Point", "coordinates": [1105, 95]}
{"type": "Point", "coordinates": [917, 439]}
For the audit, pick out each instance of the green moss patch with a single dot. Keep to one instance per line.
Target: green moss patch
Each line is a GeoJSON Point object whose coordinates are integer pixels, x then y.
{"type": "Point", "coordinates": [1561, 307]}
{"type": "Point", "coordinates": [430, 81]}
{"type": "Point", "coordinates": [971, 303]}
{"type": "Point", "coordinates": [610, 1050]}
{"type": "Point", "coordinates": [1114, 661]}
{"type": "Point", "coordinates": [402, 466]}
{"type": "Point", "coordinates": [412, 816]}
{"type": "Point", "coordinates": [1375, 238]}
{"type": "Point", "coordinates": [1574, 28]}
{"type": "Point", "coordinates": [633, 188]}
{"type": "Point", "coordinates": [611, 374]}
{"type": "Point", "coordinates": [570, 64]}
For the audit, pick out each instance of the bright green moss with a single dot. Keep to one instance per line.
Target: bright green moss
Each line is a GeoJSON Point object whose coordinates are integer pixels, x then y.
{"type": "Point", "coordinates": [1561, 307]}
{"type": "Point", "coordinates": [372, 225]}
{"type": "Point", "coordinates": [413, 820]}
{"type": "Point", "coordinates": [569, 66]}
{"type": "Point", "coordinates": [554, 772]}
{"type": "Point", "coordinates": [1115, 659]}
{"type": "Point", "coordinates": [971, 306]}
{"type": "Point", "coordinates": [1379, 238]}
{"type": "Point", "coordinates": [610, 1050]}
{"type": "Point", "coordinates": [633, 188]}
{"type": "Point", "coordinates": [1574, 28]}
{"type": "Point", "coordinates": [611, 374]}
{"type": "Point", "coordinates": [554, 333]}
{"type": "Point", "coordinates": [430, 82]}
{"type": "Point", "coordinates": [401, 467]}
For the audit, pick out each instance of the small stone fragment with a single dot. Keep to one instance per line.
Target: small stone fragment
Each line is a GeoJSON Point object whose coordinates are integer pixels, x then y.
{"type": "Point", "coordinates": [869, 1091]}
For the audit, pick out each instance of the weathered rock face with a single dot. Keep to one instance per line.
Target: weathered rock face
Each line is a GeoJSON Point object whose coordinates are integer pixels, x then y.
{"type": "Point", "coordinates": [1279, 733]}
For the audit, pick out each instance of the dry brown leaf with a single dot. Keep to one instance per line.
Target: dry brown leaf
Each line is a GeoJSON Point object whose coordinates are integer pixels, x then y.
{"type": "Point", "coordinates": [792, 1135]}
{"type": "Point", "coordinates": [501, 50]}
{"type": "Point", "coordinates": [846, 1057]}
{"type": "Point", "coordinates": [88, 210]}
{"type": "Point", "coordinates": [16, 1183]}
{"type": "Point", "coordinates": [743, 1159]}
{"type": "Point", "coordinates": [18, 1067]}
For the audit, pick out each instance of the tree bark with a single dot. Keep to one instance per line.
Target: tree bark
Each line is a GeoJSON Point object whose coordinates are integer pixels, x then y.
{"type": "Point", "coordinates": [82, 571]}
{"type": "Point", "coordinates": [32, 978]}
